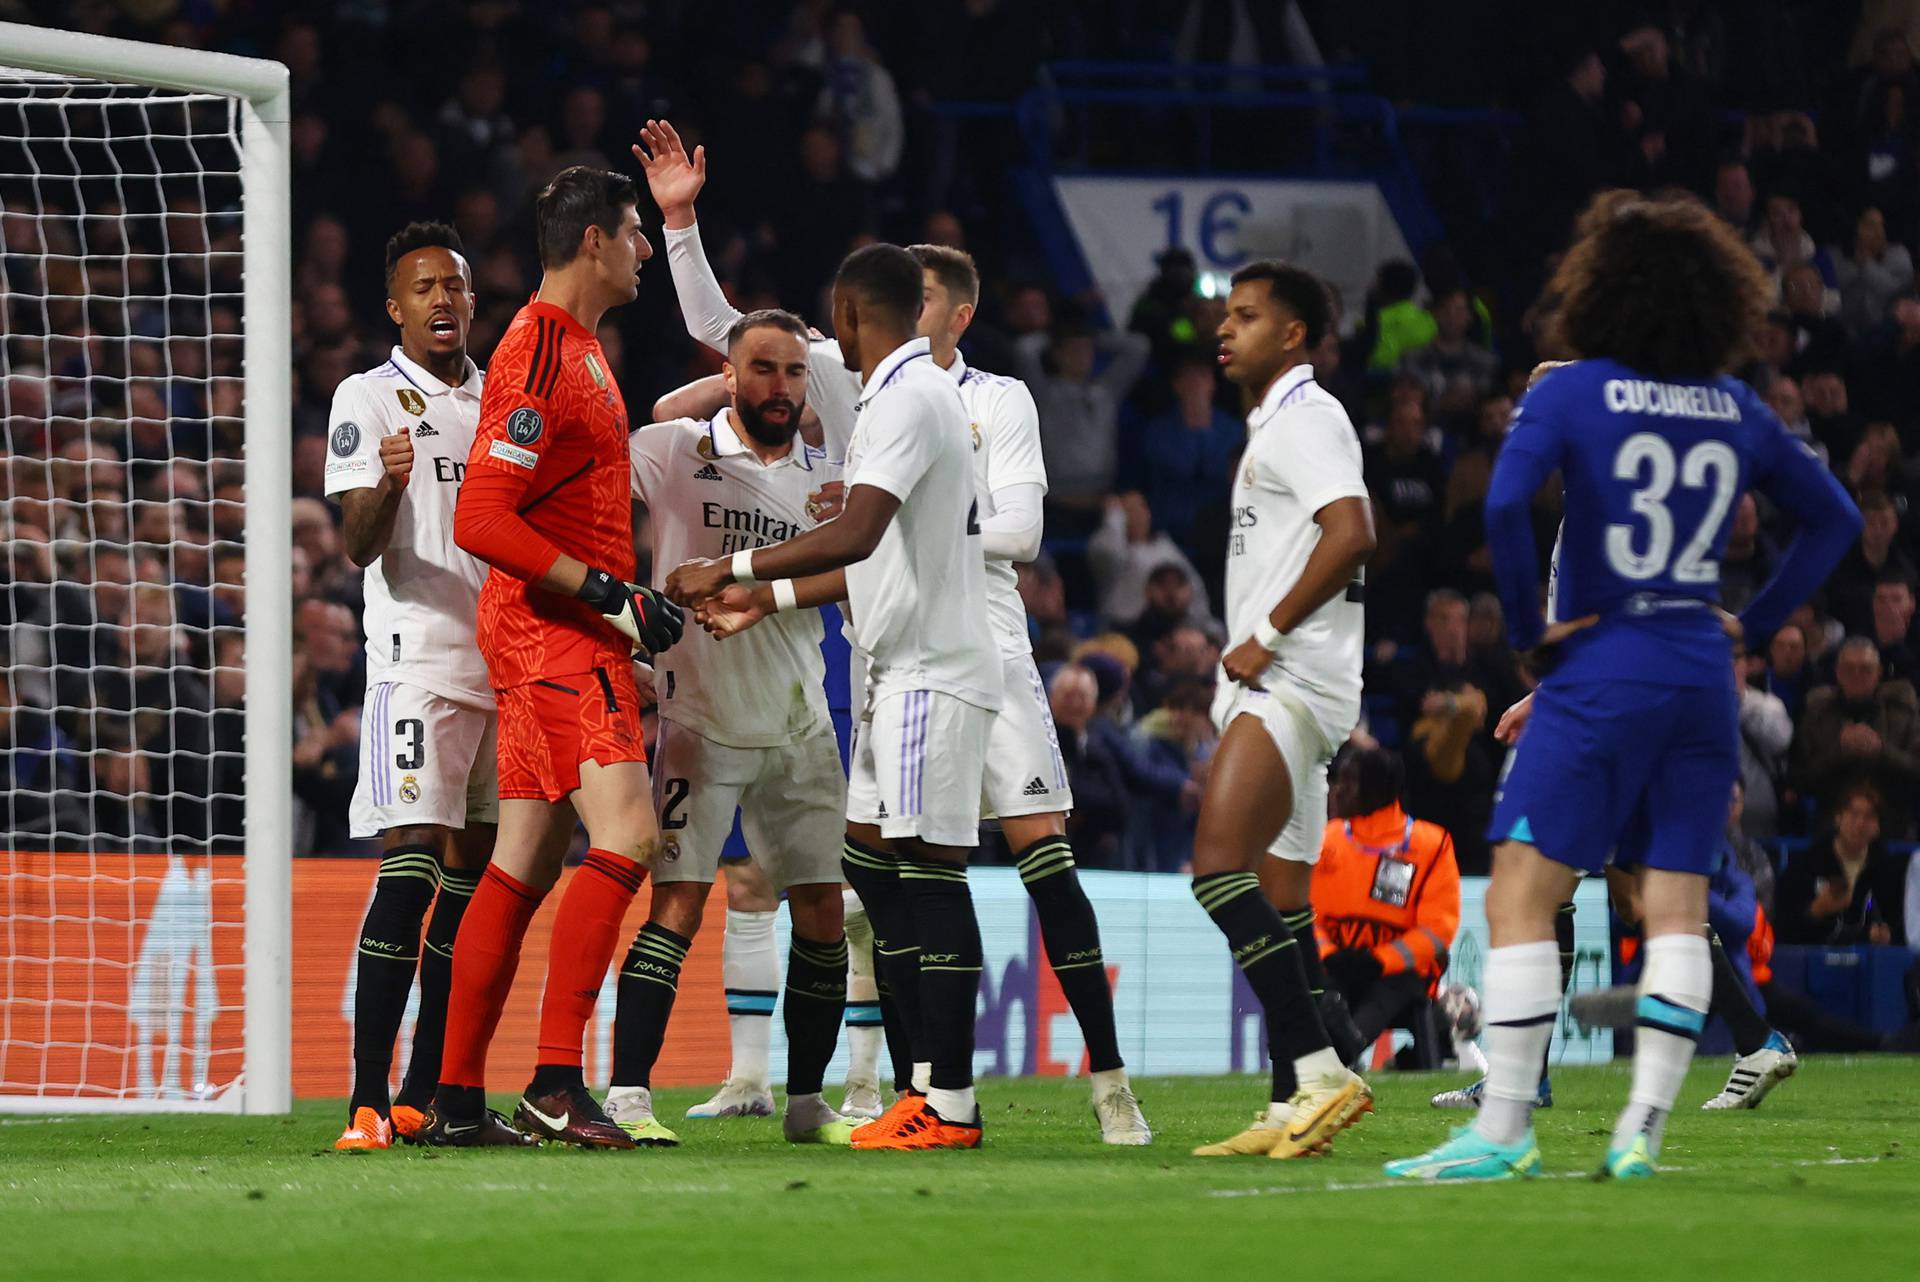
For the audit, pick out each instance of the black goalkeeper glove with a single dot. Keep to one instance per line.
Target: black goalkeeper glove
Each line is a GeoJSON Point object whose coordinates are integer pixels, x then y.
{"type": "Point", "coordinates": [1352, 968]}
{"type": "Point", "coordinates": [642, 615]}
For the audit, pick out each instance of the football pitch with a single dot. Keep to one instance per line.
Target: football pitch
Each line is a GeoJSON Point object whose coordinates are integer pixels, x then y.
{"type": "Point", "coordinates": [1823, 1181]}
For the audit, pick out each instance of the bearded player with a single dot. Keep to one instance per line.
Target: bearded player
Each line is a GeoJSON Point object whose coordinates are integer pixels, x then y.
{"type": "Point", "coordinates": [546, 506]}
{"type": "Point", "coordinates": [743, 726]}
{"type": "Point", "coordinates": [1026, 786]}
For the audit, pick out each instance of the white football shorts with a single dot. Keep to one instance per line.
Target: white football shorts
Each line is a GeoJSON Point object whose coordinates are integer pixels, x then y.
{"type": "Point", "coordinates": [791, 800]}
{"type": "Point", "coordinates": [1025, 773]}
{"type": "Point", "coordinates": [424, 759]}
{"type": "Point", "coordinates": [1302, 744]}
{"type": "Point", "coordinates": [918, 762]}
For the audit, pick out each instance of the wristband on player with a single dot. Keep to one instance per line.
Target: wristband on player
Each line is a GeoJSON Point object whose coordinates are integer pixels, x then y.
{"type": "Point", "coordinates": [784, 596]}
{"type": "Point", "coordinates": [600, 590]}
{"type": "Point", "coordinates": [1266, 634]}
{"type": "Point", "coordinates": [743, 567]}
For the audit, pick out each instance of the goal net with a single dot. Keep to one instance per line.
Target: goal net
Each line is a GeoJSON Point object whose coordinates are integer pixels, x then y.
{"type": "Point", "coordinates": [143, 664]}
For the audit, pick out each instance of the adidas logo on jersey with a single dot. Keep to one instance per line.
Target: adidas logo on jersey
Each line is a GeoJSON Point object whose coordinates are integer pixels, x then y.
{"type": "Point", "coordinates": [425, 429]}
{"type": "Point", "coordinates": [881, 813]}
{"type": "Point", "coordinates": [1036, 787]}
{"type": "Point", "coordinates": [707, 473]}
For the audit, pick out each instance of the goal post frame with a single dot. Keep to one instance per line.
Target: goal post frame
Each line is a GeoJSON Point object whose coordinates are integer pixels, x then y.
{"type": "Point", "coordinates": [261, 86]}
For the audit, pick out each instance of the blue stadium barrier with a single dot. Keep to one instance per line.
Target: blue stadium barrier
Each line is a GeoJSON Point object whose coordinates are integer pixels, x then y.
{"type": "Point", "coordinates": [1861, 983]}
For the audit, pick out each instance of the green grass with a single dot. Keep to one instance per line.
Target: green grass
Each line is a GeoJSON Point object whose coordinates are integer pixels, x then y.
{"type": "Point", "coordinates": [1817, 1183]}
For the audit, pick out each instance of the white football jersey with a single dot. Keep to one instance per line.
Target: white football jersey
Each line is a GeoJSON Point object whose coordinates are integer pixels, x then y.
{"type": "Point", "coordinates": [1302, 454]}
{"type": "Point", "coordinates": [423, 592]}
{"type": "Point", "coordinates": [919, 603]}
{"type": "Point", "coordinates": [834, 392]}
{"type": "Point", "coordinates": [1005, 425]}
{"type": "Point", "coordinates": [709, 495]}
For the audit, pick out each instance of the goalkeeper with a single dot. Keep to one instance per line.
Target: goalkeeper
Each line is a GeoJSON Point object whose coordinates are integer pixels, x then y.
{"type": "Point", "coordinates": [545, 504]}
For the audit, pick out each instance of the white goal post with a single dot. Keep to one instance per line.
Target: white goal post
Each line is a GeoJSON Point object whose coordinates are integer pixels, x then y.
{"type": "Point", "coordinates": [250, 97]}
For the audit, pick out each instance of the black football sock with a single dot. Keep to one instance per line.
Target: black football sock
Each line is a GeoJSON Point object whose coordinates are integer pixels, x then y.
{"type": "Point", "coordinates": [1731, 1002]}
{"type": "Point", "coordinates": [816, 997]}
{"type": "Point", "coordinates": [1562, 936]}
{"type": "Point", "coordinates": [1327, 998]}
{"type": "Point", "coordinates": [1269, 956]}
{"type": "Point", "coordinates": [1071, 934]}
{"type": "Point", "coordinates": [389, 951]}
{"type": "Point", "coordinates": [875, 877]}
{"type": "Point", "coordinates": [950, 962]}
{"type": "Point", "coordinates": [649, 981]}
{"type": "Point", "coordinates": [436, 981]}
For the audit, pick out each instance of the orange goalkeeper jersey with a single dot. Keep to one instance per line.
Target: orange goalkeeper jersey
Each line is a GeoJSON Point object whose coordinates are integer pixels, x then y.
{"type": "Point", "coordinates": [1388, 884]}
{"type": "Point", "coordinates": [547, 475]}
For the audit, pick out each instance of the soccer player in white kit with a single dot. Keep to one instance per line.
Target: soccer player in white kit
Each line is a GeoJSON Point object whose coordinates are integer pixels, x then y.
{"type": "Point", "coordinates": [396, 453]}
{"type": "Point", "coordinates": [1026, 785]}
{"type": "Point", "coordinates": [905, 554]}
{"type": "Point", "coordinates": [743, 726]}
{"type": "Point", "coordinates": [1290, 690]}
{"type": "Point", "coordinates": [1026, 782]}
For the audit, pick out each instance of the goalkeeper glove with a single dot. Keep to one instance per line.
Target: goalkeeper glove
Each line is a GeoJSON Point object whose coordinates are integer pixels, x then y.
{"type": "Point", "coordinates": [642, 615]}
{"type": "Point", "coordinates": [1352, 968]}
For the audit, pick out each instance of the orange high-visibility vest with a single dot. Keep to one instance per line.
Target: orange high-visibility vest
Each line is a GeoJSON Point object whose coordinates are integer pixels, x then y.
{"type": "Point", "coordinates": [1390, 884]}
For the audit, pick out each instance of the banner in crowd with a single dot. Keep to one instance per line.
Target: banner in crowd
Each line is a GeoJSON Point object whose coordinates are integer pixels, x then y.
{"type": "Point", "coordinates": [1341, 231]}
{"type": "Point", "coordinates": [130, 984]}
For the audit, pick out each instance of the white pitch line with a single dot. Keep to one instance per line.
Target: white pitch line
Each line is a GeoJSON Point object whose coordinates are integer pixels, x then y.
{"type": "Point", "coordinates": [1361, 1186]}
{"type": "Point", "coordinates": [34, 1121]}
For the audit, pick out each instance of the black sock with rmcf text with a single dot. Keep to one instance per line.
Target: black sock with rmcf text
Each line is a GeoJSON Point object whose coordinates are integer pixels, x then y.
{"type": "Point", "coordinates": [383, 973]}
{"type": "Point", "coordinates": [1268, 955]}
{"type": "Point", "coordinates": [1071, 934]}
{"type": "Point", "coordinates": [875, 876]}
{"type": "Point", "coordinates": [950, 962]}
{"type": "Point", "coordinates": [649, 981]}
{"type": "Point", "coordinates": [811, 1008]}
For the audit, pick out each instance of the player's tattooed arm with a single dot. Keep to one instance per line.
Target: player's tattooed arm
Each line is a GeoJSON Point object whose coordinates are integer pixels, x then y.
{"type": "Point", "coordinates": [367, 516]}
{"type": "Point", "coordinates": [848, 538]}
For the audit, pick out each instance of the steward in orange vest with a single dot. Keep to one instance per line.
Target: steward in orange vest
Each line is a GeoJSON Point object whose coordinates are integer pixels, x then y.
{"type": "Point", "coordinates": [1386, 893]}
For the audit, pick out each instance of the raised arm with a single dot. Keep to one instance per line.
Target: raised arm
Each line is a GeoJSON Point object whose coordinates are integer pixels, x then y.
{"type": "Point", "coordinates": [675, 179]}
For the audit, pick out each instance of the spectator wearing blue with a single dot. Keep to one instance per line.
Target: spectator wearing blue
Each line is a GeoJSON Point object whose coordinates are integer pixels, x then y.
{"type": "Point", "coordinates": [1183, 459]}
{"type": "Point", "coordinates": [1176, 736]}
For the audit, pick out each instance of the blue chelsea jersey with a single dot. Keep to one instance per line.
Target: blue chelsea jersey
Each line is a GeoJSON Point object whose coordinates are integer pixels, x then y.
{"type": "Point", "coordinates": [1652, 471]}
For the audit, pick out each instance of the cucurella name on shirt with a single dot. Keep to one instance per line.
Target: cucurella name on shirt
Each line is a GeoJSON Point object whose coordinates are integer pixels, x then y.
{"type": "Point", "coordinates": [1669, 400]}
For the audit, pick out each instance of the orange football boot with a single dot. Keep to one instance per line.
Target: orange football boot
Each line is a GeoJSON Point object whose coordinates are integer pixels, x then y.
{"type": "Point", "coordinates": [926, 1129]}
{"type": "Point", "coordinates": [367, 1130]}
{"type": "Point", "coordinates": [406, 1120]}
{"type": "Point", "coordinates": [908, 1105]}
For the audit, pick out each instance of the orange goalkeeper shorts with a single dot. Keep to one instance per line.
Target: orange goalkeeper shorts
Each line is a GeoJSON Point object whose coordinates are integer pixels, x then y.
{"type": "Point", "coordinates": [551, 725]}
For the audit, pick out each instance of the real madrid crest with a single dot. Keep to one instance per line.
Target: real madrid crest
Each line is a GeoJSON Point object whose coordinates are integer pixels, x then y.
{"type": "Point", "coordinates": [705, 448]}
{"type": "Point", "coordinates": [975, 429]}
{"type": "Point", "coordinates": [411, 401]}
{"type": "Point", "coordinates": [669, 847]}
{"type": "Point", "coordinates": [1246, 474]}
{"type": "Point", "coordinates": [409, 789]}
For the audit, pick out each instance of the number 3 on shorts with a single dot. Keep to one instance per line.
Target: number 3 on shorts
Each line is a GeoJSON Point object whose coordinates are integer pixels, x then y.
{"type": "Point", "coordinates": [414, 731]}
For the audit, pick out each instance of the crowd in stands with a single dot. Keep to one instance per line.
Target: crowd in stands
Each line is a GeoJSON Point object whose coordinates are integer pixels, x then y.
{"type": "Point", "coordinates": [123, 659]}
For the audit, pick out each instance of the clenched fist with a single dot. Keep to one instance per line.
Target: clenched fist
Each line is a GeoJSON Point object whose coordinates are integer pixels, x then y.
{"type": "Point", "coordinates": [396, 459]}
